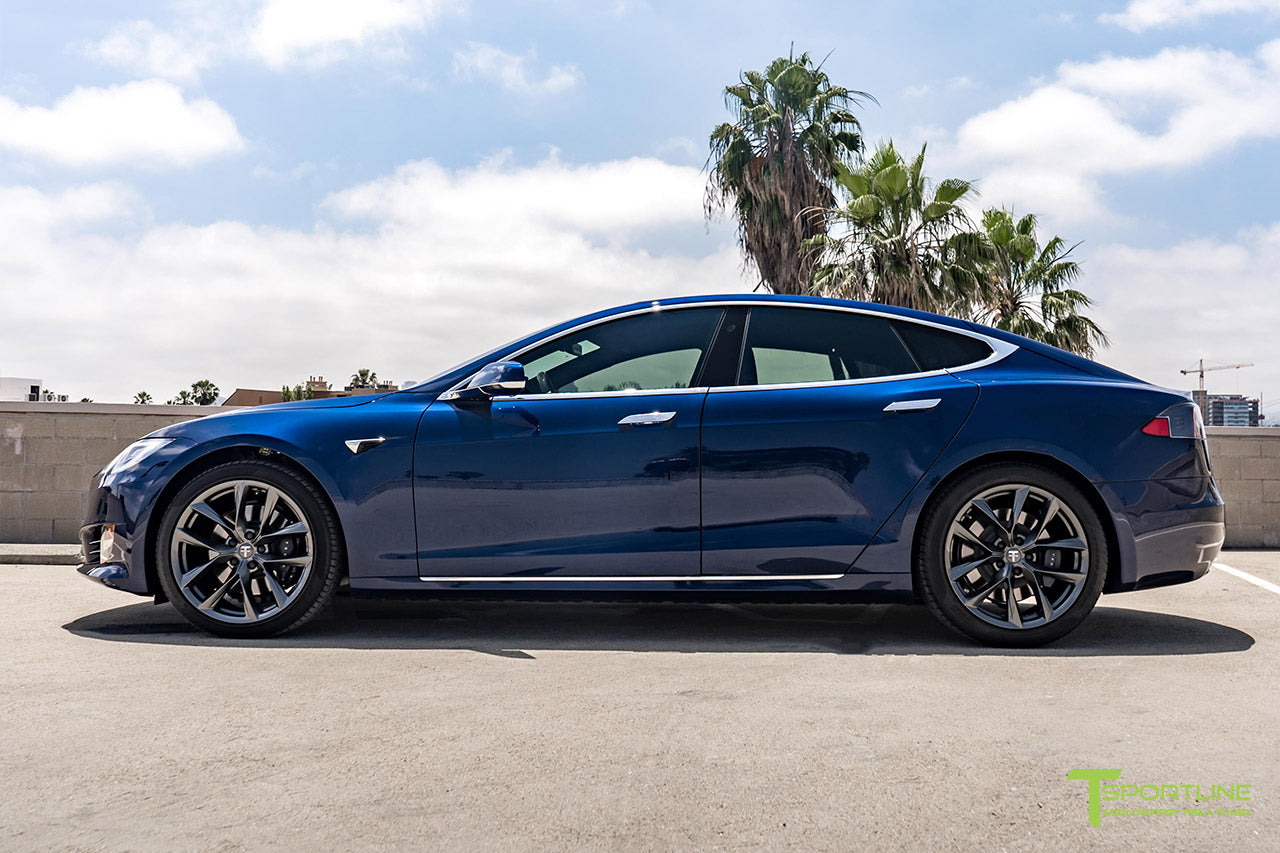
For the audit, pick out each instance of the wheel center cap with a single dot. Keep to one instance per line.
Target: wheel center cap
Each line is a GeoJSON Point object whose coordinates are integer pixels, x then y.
{"type": "Point", "coordinates": [1013, 556]}
{"type": "Point", "coordinates": [245, 550]}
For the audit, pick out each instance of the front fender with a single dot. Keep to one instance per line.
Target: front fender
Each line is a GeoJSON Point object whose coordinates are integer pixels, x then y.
{"type": "Point", "coordinates": [371, 492]}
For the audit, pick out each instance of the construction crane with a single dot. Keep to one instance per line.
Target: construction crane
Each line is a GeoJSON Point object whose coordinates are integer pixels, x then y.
{"type": "Point", "coordinates": [1202, 370]}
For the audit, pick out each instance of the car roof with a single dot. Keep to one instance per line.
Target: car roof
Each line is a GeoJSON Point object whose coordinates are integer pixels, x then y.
{"type": "Point", "coordinates": [788, 299]}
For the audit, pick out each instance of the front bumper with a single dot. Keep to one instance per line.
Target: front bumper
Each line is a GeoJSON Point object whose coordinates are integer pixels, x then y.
{"type": "Point", "coordinates": [122, 502]}
{"type": "Point", "coordinates": [107, 562]}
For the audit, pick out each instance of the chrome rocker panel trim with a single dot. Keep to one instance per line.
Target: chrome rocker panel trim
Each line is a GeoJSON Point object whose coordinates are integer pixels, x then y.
{"type": "Point", "coordinates": [626, 578]}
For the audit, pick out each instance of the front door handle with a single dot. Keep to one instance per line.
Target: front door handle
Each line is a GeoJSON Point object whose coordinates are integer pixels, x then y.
{"type": "Point", "coordinates": [647, 419]}
{"type": "Point", "coordinates": [913, 405]}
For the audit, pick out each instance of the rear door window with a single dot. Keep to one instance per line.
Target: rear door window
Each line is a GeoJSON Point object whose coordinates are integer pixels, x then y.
{"type": "Point", "coordinates": [798, 345]}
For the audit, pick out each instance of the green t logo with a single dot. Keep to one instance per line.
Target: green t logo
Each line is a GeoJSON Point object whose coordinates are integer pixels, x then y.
{"type": "Point", "coordinates": [1095, 778]}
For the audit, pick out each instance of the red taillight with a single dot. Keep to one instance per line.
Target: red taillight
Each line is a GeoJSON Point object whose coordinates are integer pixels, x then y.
{"type": "Point", "coordinates": [1157, 426]}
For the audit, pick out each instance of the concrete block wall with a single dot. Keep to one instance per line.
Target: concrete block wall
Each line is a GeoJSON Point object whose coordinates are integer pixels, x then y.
{"type": "Point", "coordinates": [1246, 464]}
{"type": "Point", "coordinates": [50, 451]}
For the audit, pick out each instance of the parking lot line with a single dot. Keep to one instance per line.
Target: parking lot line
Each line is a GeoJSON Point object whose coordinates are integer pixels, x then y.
{"type": "Point", "coordinates": [1267, 585]}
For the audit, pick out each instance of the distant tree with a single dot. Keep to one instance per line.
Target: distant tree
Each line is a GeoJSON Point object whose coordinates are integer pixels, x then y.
{"type": "Point", "coordinates": [297, 392]}
{"type": "Point", "coordinates": [142, 398]}
{"type": "Point", "coordinates": [86, 399]}
{"type": "Point", "coordinates": [184, 398]}
{"type": "Point", "coordinates": [204, 392]}
{"type": "Point", "coordinates": [1029, 287]}
{"type": "Point", "coordinates": [777, 162]}
{"type": "Point", "coordinates": [902, 239]}
{"type": "Point", "coordinates": [364, 378]}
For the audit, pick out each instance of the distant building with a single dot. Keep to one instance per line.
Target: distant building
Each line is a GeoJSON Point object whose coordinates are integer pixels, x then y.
{"type": "Point", "coordinates": [1231, 410]}
{"type": "Point", "coordinates": [383, 387]}
{"type": "Point", "coordinates": [252, 397]}
{"type": "Point", "coordinates": [318, 387]}
{"type": "Point", "coordinates": [15, 389]}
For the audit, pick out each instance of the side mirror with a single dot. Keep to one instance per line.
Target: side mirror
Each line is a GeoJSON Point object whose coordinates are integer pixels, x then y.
{"type": "Point", "coordinates": [498, 378]}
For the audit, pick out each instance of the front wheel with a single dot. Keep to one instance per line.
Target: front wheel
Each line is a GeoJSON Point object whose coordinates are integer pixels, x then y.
{"type": "Point", "coordinates": [249, 549]}
{"type": "Point", "coordinates": [1012, 555]}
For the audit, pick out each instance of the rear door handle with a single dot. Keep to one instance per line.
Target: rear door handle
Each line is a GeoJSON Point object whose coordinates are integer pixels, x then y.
{"type": "Point", "coordinates": [646, 419]}
{"type": "Point", "coordinates": [913, 405]}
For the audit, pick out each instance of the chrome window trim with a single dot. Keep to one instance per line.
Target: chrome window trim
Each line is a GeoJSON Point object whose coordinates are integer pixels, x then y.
{"type": "Point", "coordinates": [624, 578]}
{"type": "Point", "coordinates": [1000, 350]}
{"type": "Point", "coordinates": [579, 395]}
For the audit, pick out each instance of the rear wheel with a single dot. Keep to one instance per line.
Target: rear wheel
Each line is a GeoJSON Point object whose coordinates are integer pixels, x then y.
{"type": "Point", "coordinates": [1012, 555]}
{"type": "Point", "coordinates": [249, 549]}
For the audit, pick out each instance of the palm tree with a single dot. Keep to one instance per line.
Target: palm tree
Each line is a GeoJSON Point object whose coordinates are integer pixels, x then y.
{"type": "Point", "coordinates": [1029, 287]}
{"type": "Point", "coordinates": [364, 378]}
{"type": "Point", "coordinates": [204, 392]}
{"type": "Point", "coordinates": [777, 162]}
{"type": "Point", "coordinates": [184, 398]}
{"type": "Point", "coordinates": [904, 239]}
{"type": "Point", "coordinates": [142, 398]}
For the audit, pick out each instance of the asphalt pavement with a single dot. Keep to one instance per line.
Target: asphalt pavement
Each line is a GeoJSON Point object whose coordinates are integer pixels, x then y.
{"type": "Point", "coordinates": [515, 726]}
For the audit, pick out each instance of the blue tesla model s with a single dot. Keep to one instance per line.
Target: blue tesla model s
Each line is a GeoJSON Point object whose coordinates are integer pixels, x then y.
{"type": "Point", "coordinates": [733, 446]}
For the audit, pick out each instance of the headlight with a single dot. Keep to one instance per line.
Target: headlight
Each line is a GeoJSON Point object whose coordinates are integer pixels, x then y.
{"type": "Point", "coordinates": [135, 453]}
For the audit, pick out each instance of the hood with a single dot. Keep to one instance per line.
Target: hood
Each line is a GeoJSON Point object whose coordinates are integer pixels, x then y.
{"type": "Point", "coordinates": [324, 403]}
{"type": "Point", "coordinates": [201, 429]}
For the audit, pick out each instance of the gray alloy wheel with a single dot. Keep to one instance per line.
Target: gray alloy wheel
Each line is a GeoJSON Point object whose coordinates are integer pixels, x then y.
{"type": "Point", "coordinates": [1012, 555]}
{"type": "Point", "coordinates": [247, 549]}
{"type": "Point", "coordinates": [1015, 556]}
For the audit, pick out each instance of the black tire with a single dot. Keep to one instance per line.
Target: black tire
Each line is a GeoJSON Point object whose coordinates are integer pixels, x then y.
{"type": "Point", "coordinates": [982, 621]}
{"type": "Point", "coordinates": [311, 591]}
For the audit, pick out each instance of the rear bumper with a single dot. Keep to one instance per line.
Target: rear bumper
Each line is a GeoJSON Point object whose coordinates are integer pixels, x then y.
{"type": "Point", "coordinates": [1175, 530]}
{"type": "Point", "coordinates": [1178, 554]}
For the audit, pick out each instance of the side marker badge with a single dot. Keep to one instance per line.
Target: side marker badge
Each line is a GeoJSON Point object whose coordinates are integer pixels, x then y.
{"type": "Point", "coordinates": [360, 445]}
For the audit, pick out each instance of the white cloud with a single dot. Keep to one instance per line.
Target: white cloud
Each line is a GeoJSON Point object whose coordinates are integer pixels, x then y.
{"type": "Point", "coordinates": [917, 91]}
{"type": "Point", "coordinates": [406, 274]}
{"type": "Point", "coordinates": [318, 32]}
{"type": "Point", "coordinates": [1142, 15]}
{"type": "Point", "coordinates": [143, 47]}
{"type": "Point", "coordinates": [25, 210]}
{"type": "Point", "coordinates": [1166, 307]}
{"type": "Point", "coordinates": [147, 123]}
{"type": "Point", "coordinates": [683, 148]}
{"type": "Point", "coordinates": [1119, 115]}
{"type": "Point", "coordinates": [278, 33]}
{"type": "Point", "coordinates": [513, 73]}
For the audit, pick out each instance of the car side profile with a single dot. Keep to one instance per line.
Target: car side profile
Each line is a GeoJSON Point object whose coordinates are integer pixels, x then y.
{"type": "Point", "coordinates": [755, 446]}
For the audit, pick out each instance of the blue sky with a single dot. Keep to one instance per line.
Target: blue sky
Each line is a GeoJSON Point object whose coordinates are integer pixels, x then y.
{"type": "Point", "coordinates": [260, 190]}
